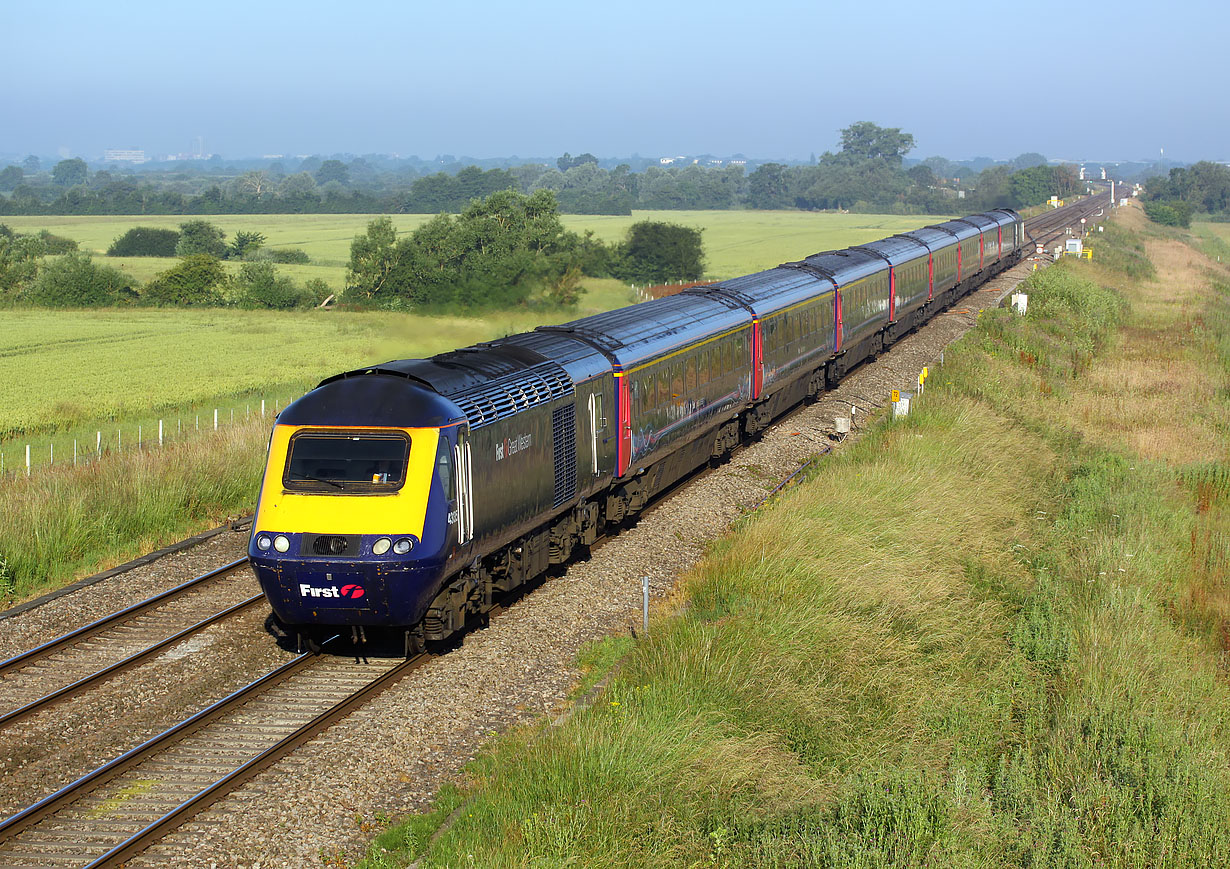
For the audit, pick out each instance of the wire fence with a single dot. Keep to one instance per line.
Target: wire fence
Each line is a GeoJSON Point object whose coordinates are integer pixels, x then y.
{"type": "Point", "coordinates": [25, 457]}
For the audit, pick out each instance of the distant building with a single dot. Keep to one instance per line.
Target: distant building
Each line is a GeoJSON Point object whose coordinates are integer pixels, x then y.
{"type": "Point", "coordinates": [124, 155]}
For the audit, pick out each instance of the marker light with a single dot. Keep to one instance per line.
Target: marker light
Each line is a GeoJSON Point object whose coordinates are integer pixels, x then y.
{"type": "Point", "coordinates": [381, 546]}
{"type": "Point", "coordinates": [281, 543]}
{"type": "Point", "coordinates": [401, 547]}
{"type": "Point", "coordinates": [263, 543]}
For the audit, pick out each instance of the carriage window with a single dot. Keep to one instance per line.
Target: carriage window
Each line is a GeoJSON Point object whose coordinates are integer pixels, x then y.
{"type": "Point", "coordinates": [677, 380]}
{"type": "Point", "coordinates": [703, 372]}
{"type": "Point", "coordinates": [332, 463]}
{"type": "Point", "coordinates": [691, 373]}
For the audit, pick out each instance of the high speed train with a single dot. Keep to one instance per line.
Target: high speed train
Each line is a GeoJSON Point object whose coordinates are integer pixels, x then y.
{"type": "Point", "coordinates": [410, 495]}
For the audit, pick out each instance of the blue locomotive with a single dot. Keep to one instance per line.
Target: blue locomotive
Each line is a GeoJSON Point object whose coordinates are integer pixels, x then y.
{"type": "Point", "coordinates": [409, 495]}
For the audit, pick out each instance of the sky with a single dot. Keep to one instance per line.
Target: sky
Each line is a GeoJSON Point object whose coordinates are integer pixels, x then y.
{"type": "Point", "coordinates": [765, 78]}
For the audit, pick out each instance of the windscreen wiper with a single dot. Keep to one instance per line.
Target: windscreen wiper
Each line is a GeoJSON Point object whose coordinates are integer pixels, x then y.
{"type": "Point", "coordinates": [304, 476]}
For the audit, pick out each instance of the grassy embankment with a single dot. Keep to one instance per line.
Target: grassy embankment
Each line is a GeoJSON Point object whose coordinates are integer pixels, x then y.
{"type": "Point", "coordinates": [994, 633]}
{"type": "Point", "coordinates": [70, 375]}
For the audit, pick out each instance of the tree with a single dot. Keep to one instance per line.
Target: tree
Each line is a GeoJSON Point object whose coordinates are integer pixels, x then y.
{"type": "Point", "coordinates": [31, 164]}
{"type": "Point", "coordinates": [255, 183]}
{"type": "Point", "coordinates": [496, 253]}
{"type": "Point", "coordinates": [921, 175]}
{"type": "Point", "coordinates": [11, 176]}
{"type": "Point", "coordinates": [768, 188]}
{"type": "Point", "coordinates": [332, 170]}
{"type": "Point", "coordinates": [371, 260]}
{"type": "Point", "coordinates": [656, 252]}
{"type": "Point", "coordinates": [1028, 160]}
{"type": "Point", "coordinates": [245, 243]}
{"type": "Point", "coordinates": [145, 241]}
{"type": "Point", "coordinates": [70, 173]}
{"type": "Point", "coordinates": [195, 281]}
{"type": "Point", "coordinates": [201, 237]}
{"type": "Point", "coordinates": [867, 141]}
{"type": "Point", "coordinates": [299, 184]}
{"type": "Point", "coordinates": [567, 161]}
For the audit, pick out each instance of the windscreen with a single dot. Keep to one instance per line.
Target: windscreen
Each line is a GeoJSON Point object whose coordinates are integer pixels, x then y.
{"type": "Point", "coordinates": [355, 463]}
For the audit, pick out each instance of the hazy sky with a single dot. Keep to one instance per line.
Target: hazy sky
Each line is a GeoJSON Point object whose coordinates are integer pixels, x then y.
{"type": "Point", "coordinates": [768, 78]}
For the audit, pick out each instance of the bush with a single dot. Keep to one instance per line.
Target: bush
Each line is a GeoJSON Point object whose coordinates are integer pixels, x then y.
{"type": "Point", "coordinates": [56, 245]}
{"type": "Point", "coordinates": [288, 256]}
{"type": "Point", "coordinates": [74, 281]}
{"type": "Point", "coordinates": [201, 237]}
{"type": "Point", "coordinates": [1173, 213]}
{"type": "Point", "coordinates": [258, 285]}
{"type": "Point", "coordinates": [145, 241]}
{"type": "Point", "coordinates": [196, 280]}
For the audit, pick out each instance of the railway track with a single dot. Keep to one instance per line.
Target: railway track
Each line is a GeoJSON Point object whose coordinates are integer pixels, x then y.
{"type": "Point", "coordinates": [85, 658]}
{"type": "Point", "coordinates": [1046, 227]}
{"type": "Point", "coordinates": [119, 809]}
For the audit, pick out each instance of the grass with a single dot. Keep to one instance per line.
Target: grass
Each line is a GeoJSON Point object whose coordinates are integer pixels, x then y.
{"type": "Point", "coordinates": [993, 633]}
{"type": "Point", "coordinates": [736, 242]}
{"type": "Point", "coordinates": [70, 521]}
{"type": "Point", "coordinates": [70, 374]}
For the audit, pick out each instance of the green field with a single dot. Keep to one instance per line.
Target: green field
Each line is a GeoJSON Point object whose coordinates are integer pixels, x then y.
{"type": "Point", "coordinates": [1215, 239]}
{"type": "Point", "coordinates": [736, 242]}
{"type": "Point", "coordinates": [72, 374]}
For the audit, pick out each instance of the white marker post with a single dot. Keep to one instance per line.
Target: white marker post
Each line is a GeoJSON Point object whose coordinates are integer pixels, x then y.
{"type": "Point", "coordinates": [645, 603]}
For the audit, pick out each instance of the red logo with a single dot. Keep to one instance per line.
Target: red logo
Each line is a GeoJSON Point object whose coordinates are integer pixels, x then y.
{"type": "Point", "coordinates": [352, 591]}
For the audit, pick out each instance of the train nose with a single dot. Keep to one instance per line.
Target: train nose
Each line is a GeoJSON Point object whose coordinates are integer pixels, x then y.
{"type": "Point", "coordinates": [310, 593]}
{"type": "Point", "coordinates": [336, 579]}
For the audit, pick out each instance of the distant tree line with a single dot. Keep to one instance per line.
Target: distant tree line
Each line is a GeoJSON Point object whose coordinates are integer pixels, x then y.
{"type": "Point", "coordinates": [1203, 187]}
{"type": "Point", "coordinates": [866, 174]}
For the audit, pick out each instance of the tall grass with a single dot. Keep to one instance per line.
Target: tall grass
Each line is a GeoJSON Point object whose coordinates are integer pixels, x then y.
{"type": "Point", "coordinates": [65, 522]}
{"type": "Point", "coordinates": [978, 638]}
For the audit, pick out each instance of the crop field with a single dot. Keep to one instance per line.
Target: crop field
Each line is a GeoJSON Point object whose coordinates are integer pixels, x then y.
{"type": "Point", "coordinates": [736, 242]}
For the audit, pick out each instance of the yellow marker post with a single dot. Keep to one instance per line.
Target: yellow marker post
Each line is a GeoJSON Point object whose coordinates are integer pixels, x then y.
{"type": "Point", "coordinates": [896, 395]}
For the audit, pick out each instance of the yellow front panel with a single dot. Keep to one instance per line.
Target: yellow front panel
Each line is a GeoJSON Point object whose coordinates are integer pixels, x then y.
{"type": "Point", "coordinates": [401, 512]}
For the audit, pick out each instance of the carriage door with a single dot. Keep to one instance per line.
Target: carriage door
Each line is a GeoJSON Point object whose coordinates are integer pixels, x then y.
{"type": "Point", "coordinates": [596, 424]}
{"type": "Point", "coordinates": [463, 464]}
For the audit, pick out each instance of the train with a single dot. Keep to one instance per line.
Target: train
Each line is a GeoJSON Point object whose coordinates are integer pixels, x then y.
{"type": "Point", "coordinates": [411, 496]}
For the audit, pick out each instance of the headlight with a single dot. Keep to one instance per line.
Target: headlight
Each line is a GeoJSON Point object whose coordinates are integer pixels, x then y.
{"type": "Point", "coordinates": [281, 543]}
{"type": "Point", "coordinates": [401, 547]}
{"type": "Point", "coordinates": [263, 543]}
{"type": "Point", "coordinates": [381, 546]}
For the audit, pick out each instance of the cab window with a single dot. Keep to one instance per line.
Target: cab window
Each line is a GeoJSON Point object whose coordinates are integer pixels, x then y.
{"type": "Point", "coordinates": [339, 462]}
